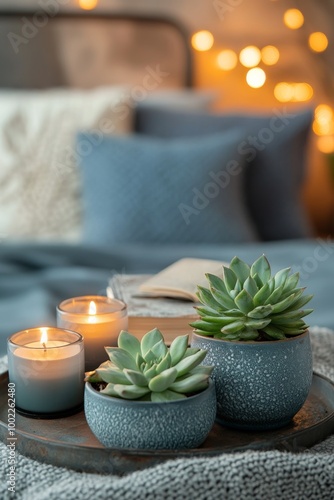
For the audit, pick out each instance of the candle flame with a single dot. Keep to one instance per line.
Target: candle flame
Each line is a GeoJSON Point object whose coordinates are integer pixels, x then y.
{"type": "Point", "coordinates": [92, 308]}
{"type": "Point", "coordinates": [44, 336]}
{"type": "Point", "coordinates": [92, 312]}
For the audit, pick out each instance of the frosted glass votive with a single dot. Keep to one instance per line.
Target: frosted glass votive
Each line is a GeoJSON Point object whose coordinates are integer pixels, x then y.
{"type": "Point", "coordinates": [47, 367]}
{"type": "Point", "coordinates": [99, 319]}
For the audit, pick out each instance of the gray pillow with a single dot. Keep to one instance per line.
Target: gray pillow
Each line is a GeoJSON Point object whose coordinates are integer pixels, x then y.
{"type": "Point", "coordinates": [273, 145]}
{"type": "Point", "coordinates": [180, 99]}
{"type": "Point", "coordinates": [148, 190]}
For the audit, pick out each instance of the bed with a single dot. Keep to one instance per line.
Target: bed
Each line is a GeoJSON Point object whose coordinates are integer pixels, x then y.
{"type": "Point", "coordinates": [82, 92]}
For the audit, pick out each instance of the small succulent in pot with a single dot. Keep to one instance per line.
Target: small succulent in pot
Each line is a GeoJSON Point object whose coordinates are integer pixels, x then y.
{"type": "Point", "coordinates": [151, 371]}
{"type": "Point", "coordinates": [248, 303]}
{"type": "Point", "coordinates": [252, 328]}
{"type": "Point", "coordinates": [150, 396]}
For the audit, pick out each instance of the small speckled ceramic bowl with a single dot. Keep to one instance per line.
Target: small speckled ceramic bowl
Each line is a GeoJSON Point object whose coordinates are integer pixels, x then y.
{"type": "Point", "coordinates": [120, 423]}
{"type": "Point", "coordinates": [259, 385]}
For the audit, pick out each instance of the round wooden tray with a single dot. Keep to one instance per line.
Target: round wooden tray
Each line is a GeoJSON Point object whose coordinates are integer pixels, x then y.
{"type": "Point", "coordinates": [68, 442]}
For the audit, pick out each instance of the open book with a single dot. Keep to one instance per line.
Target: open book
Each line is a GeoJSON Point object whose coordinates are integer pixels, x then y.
{"type": "Point", "coordinates": [180, 279]}
{"type": "Point", "coordinates": [171, 316]}
{"type": "Point", "coordinates": [152, 300]}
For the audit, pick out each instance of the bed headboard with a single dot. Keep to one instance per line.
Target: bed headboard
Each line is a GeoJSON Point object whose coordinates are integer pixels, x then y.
{"type": "Point", "coordinates": [88, 49]}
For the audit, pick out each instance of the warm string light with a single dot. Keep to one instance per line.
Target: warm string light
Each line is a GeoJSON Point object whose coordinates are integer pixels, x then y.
{"type": "Point", "coordinates": [256, 78]}
{"type": "Point", "coordinates": [318, 41]}
{"type": "Point", "coordinates": [293, 19]}
{"type": "Point", "coordinates": [293, 92]}
{"type": "Point", "coordinates": [324, 113]}
{"type": "Point", "coordinates": [202, 40]}
{"type": "Point", "coordinates": [250, 56]}
{"type": "Point", "coordinates": [323, 129]}
{"type": "Point", "coordinates": [326, 144]}
{"type": "Point", "coordinates": [323, 126]}
{"type": "Point", "coordinates": [227, 60]}
{"type": "Point", "coordinates": [270, 55]}
{"type": "Point", "coordinates": [323, 120]}
{"type": "Point", "coordinates": [88, 4]}
{"type": "Point", "coordinates": [302, 92]}
{"type": "Point", "coordinates": [283, 92]}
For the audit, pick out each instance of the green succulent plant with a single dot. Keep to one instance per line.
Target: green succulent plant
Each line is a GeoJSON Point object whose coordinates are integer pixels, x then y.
{"type": "Point", "coordinates": [248, 303]}
{"type": "Point", "coordinates": [149, 370]}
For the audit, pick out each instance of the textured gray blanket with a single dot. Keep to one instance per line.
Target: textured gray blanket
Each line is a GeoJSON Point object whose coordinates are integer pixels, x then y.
{"type": "Point", "coordinates": [250, 475]}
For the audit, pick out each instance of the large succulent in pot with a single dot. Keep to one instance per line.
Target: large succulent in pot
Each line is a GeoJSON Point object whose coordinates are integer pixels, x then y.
{"type": "Point", "coordinates": [248, 303]}
{"type": "Point", "coordinates": [149, 370]}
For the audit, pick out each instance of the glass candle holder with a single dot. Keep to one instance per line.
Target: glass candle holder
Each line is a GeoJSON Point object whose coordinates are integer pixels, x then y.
{"type": "Point", "coordinates": [99, 319]}
{"type": "Point", "coordinates": [47, 367]}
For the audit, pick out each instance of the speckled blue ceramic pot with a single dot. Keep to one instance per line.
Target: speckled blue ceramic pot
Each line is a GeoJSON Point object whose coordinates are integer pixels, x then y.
{"type": "Point", "coordinates": [259, 385]}
{"type": "Point", "coordinates": [120, 423]}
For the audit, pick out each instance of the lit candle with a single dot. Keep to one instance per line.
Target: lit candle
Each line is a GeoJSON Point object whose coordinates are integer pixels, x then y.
{"type": "Point", "coordinates": [99, 319]}
{"type": "Point", "coordinates": [47, 367]}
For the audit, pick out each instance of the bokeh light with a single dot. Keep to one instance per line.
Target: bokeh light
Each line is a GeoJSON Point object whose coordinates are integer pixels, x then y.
{"type": "Point", "coordinates": [293, 19]}
{"type": "Point", "coordinates": [323, 113]}
{"type": "Point", "coordinates": [326, 144]}
{"type": "Point", "coordinates": [88, 4]}
{"type": "Point", "coordinates": [202, 40]}
{"type": "Point", "coordinates": [250, 56]}
{"type": "Point", "coordinates": [270, 55]}
{"type": "Point", "coordinates": [323, 128]}
{"type": "Point", "coordinates": [227, 59]}
{"type": "Point", "coordinates": [256, 78]}
{"type": "Point", "coordinates": [323, 120]}
{"type": "Point", "coordinates": [293, 92]}
{"type": "Point", "coordinates": [302, 92]}
{"type": "Point", "coordinates": [318, 41]}
{"type": "Point", "coordinates": [283, 92]}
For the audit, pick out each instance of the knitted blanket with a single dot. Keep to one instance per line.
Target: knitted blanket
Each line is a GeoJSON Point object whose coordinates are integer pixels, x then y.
{"type": "Point", "coordinates": [248, 475]}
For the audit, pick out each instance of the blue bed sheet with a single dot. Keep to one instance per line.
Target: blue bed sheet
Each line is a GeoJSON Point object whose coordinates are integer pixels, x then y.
{"type": "Point", "coordinates": [35, 277]}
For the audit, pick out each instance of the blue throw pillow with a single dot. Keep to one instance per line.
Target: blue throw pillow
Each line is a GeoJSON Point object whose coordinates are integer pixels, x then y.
{"type": "Point", "coordinates": [273, 145]}
{"type": "Point", "coordinates": [147, 190]}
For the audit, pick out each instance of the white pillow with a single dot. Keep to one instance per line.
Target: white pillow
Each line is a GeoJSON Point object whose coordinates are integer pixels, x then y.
{"type": "Point", "coordinates": [40, 187]}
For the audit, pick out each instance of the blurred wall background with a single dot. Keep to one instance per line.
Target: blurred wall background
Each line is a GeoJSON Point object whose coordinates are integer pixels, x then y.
{"type": "Point", "coordinates": [302, 75]}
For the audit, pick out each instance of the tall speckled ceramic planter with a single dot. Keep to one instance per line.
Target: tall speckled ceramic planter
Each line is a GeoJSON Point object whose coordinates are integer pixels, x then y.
{"type": "Point", "coordinates": [259, 385]}
{"type": "Point", "coordinates": [120, 423]}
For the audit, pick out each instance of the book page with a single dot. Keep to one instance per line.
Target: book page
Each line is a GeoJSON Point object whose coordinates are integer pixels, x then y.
{"type": "Point", "coordinates": [126, 287]}
{"type": "Point", "coordinates": [180, 279]}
